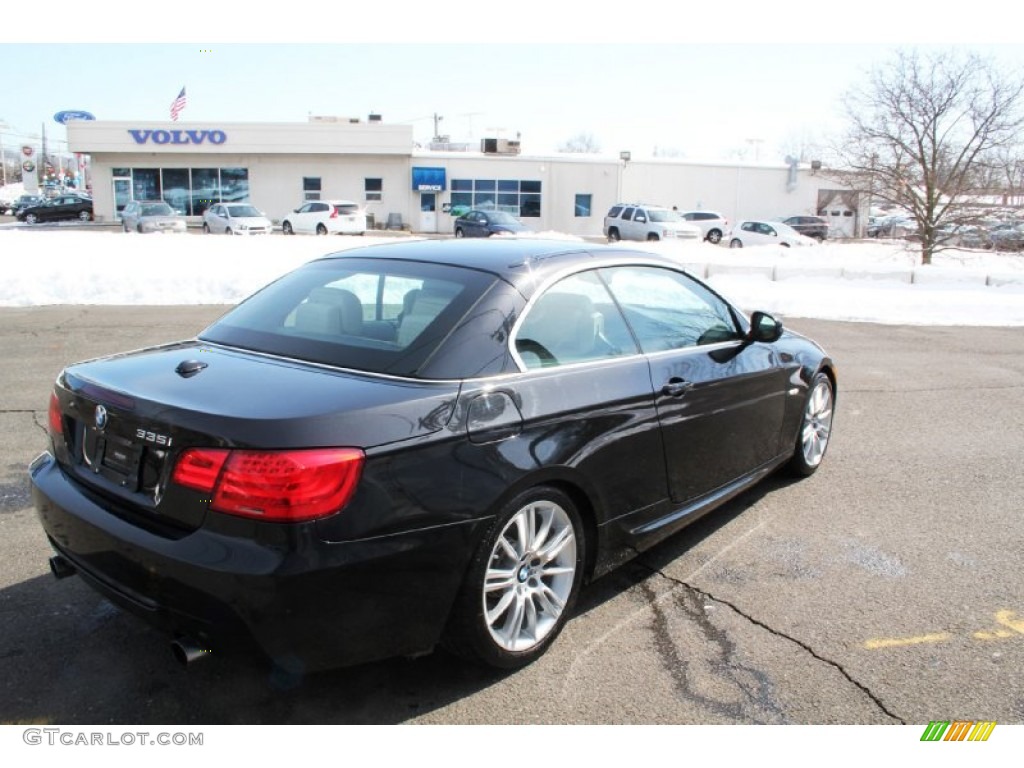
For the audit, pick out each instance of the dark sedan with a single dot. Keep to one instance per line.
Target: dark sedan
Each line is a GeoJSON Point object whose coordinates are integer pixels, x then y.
{"type": "Point", "coordinates": [486, 223]}
{"type": "Point", "coordinates": [415, 443]}
{"type": "Point", "coordinates": [58, 209]}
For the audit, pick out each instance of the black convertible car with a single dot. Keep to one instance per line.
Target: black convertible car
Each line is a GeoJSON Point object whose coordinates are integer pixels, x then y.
{"type": "Point", "coordinates": [427, 442]}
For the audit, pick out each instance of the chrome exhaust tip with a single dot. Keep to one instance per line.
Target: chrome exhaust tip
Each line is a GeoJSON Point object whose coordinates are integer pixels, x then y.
{"type": "Point", "coordinates": [187, 651]}
{"type": "Point", "coordinates": [61, 568]}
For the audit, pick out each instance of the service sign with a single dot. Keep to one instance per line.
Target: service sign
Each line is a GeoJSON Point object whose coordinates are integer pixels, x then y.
{"type": "Point", "coordinates": [72, 114]}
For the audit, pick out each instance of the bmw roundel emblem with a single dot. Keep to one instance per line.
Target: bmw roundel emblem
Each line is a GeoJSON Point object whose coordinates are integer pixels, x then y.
{"type": "Point", "coordinates": [101, 417]}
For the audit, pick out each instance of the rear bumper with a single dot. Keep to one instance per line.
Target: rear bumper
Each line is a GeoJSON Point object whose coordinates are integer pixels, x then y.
{"type": "Point", "coordinates": [305, 603]}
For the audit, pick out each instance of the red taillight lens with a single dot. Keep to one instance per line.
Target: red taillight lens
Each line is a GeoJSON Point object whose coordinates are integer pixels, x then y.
{"type": "Point", "coordinates": [282, 486]}
{"type": "Point", "coordinates": [334, 212]}
{"type": "Point", "coordinates": [199, 468]}
{"type": "Point", "coordinates": [54, 418]}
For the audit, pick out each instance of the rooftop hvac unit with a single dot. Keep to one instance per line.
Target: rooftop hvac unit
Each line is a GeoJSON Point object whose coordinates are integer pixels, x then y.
{"type": "Point", "coordinates": [499, 146]}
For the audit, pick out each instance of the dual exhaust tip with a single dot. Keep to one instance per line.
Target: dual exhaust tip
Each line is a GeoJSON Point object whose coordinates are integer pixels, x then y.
{"type": "Point", "coordinates": [186, 650]}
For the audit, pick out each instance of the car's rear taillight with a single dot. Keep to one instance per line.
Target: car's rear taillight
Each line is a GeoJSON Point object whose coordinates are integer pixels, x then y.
{"type": "Point", "coordinates": [54, 419]}
{"type": "Point", "coordinates": [281, 486]}
{"type": "Point", "coordinates": [334, 212]}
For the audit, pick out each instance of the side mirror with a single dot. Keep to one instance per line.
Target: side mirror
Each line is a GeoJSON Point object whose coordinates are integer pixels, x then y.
{"type": "Point", "coordinates": [764, 328]}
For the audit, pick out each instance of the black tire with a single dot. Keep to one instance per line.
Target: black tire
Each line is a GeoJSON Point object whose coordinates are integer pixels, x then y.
{"type": "Point", "coordinates": [206, 228]}
{"type": "Point", "coordinates": [613, 235]}
{"type": "Point", "coordinates": [735, 243]}
{"type": "Point", "coordinates": [228, 231]}
{"type": "Point", "coordinates": [286, 228]}
{"type": "Point", "coordinates": [529, 596]}
{"type": "Point", "coordinates": [138, 228]}
{"type": "Point", "coordinates": [125, 227]}
{"type": "Point", "coordinates": [84, 216]}
{"type": "Point", "coordinates": [714, 236]}
{"type": "Point", "coordinates": [815, 431]}
{"type": "Point", "coordinates": [652, 237]}
{"type": "Point", "coordinates": [31, 218]}
{"type": "Point", "coordinates": [784, 245]}
{"type": "Point", "coordinates": [321, 229]}
{"type": "Point", "coordinates": [459, 233]}
{"type": "Point", "coordinates": [820, 238]}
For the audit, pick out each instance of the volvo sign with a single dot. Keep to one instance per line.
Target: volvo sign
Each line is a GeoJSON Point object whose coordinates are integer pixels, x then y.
{"type": "Point", "coordinates": [72, 114]}
{"type": "Point", "coordinates": [215, 136]}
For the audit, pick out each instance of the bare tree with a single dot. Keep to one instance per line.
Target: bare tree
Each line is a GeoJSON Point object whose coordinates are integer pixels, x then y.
{"type": "Point", "coordinates": [583, 143]}
{"type": "Point", "coordinates": [923, 128]}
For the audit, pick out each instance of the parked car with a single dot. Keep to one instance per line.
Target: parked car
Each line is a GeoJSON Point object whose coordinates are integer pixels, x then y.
{"type": "Point", "coordinates": [963, 236]}
{"type": "Point", "coordinates": [475, 223]}
{"type": "Point", "coordinates": [443, 446]}
{"type": "Point", "coordinates": [326, 217]}
{"type": "Point", "coordinates": [748, 233]}
{"type": "Point", "coordinates": [24, 201]}
{"type": "Point", "coordinates": [900, 226]}
{"type": "Point", "coordinates": [236, 219]}
{"type": "Point", "coordinates": [145, 216]}
{"type": "Point", "coordinates": [1008, 238]}
{"type": "Point", "coordinates": [812, 226]}
{"type": "Point", "coordinates": [713, 225]}
{"type": "Point", "coordinates": [627, 221]}
{"type": "Point", "coordinates": [58, 209]}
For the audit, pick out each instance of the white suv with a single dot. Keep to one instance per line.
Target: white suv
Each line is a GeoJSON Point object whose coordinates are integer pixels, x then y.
{"type": "Point", "coordinates": [326, 217]}
{"type": "Point", "coordinates": [627, 221]}
{"type": "Point", "coordinates": [713, 224]}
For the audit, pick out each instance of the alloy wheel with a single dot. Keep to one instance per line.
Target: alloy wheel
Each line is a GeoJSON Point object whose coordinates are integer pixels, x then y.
{"type": "Point", "coordinates": [817, 425]}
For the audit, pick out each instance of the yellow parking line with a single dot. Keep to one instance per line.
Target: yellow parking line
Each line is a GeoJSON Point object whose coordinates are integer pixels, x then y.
{"type": "Point", "coordinates": [896, 642]}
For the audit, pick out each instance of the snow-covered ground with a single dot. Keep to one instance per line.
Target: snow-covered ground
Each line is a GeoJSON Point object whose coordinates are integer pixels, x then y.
{"type": "Point", "coordinates": [878, 282]}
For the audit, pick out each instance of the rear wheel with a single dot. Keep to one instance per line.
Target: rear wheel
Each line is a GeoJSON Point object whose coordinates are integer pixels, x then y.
{"type": "Point", "coordinates": [735, 243]}
{"type": "Point", "coordinates": [206, 228]}
{"type": "Point", "coordinates": [613, 235]}
{"type": "Point", "coordinates": [31, 218]}
{"type": "Point", "coordinates": [715, 236]}
{"type": "Point", "coordinates": [321, 229]}
{"type": "Point", "coordinates": [815, 427]}
{"type": "Point", "coordinates": [84, 216]}
{"type": "Point", "coordinates": [522, 583]}
{"type": "Point", "coordinates": [228, 231]}
{"type": "Point", "coordinates": [459, 233]}
{"type": "Point", "coordinates": [819, 237]}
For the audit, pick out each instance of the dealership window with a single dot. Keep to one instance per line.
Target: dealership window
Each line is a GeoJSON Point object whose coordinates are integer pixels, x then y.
{"type": "Point", "coordinates": [311, 188]}
{"type": "Point", "coordinates": [190, 191]}
{"type": "Point", "coordinates": [519, 197]}
{"type": "Point", "coordinates": [583, 206]}
{"type": "Point", "coordinates": [374, 189]}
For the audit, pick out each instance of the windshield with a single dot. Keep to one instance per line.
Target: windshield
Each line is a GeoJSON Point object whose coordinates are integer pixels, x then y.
{"type": "Point", "coordinates": [663, 216]}
{"type": "Point", "coordinates": [500, 217]}
{"type": "Point", "coordinates": [242, 211]}
{"type": "Point", "coordinates": [376, 315]}
{"type": "Point", "coordinates": [157, 209]}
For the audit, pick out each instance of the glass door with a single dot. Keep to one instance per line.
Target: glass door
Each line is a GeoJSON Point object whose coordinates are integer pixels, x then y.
{"type": "Point", "coordinates": [122, 195]}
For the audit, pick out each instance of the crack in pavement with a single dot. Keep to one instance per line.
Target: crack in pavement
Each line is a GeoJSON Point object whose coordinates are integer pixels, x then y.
{"type": "Point", "coordinates": [836, 665]}
{"type": "Point", "coordinates": [33, 411]}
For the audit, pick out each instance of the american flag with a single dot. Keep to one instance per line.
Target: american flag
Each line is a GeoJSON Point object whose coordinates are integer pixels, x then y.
{"type": "Point", "coordinates": [178, 104]}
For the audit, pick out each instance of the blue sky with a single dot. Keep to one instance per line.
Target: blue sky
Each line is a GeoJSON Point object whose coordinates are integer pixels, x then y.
{"type": "Point", "coordinates": [547, 79]}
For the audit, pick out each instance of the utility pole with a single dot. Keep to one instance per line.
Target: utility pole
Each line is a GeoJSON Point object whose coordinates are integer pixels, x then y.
{"type": "Point", "coordinates": [437, 128]}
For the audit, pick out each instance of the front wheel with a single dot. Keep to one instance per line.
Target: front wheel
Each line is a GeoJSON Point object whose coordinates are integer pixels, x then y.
{"type": "Point", "coordinates": [286, 228]}
{"type": "Point", "coordinates": [735, 243]}
{"type": "Point", "coordinates": [84, 216]}
{"type": "Point", "coordinates": [815, 427]}
{"type": "Point", "coordinates": [522, 583]}
{"type": "Point", "coordinates": [459, 233]}
{"type": "Point", "coordinates": [31, 218]}
{"type": "Point", "coordinates": [652, 237]}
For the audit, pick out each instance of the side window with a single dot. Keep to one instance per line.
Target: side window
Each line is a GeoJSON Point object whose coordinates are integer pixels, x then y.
{"type": "Point", "coordinates": [749, 226]}
{"type": "Point", "coordinates": [627, 215]}
{"type": "Point", "coordinates": [615, 211]}
{"type": "Point", "coordinates": [573, 322]}
{"type": "Point", "coordinates": [640, 215]}
{"type": "Point", "coordinates": [669, 310]}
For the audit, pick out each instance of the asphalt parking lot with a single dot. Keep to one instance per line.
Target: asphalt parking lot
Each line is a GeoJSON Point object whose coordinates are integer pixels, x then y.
{"type": "Point", "coordinates": [886, 588]}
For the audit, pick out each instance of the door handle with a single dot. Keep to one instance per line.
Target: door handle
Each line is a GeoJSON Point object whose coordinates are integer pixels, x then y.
{"type": "Point", "coordinates": [676, 387]}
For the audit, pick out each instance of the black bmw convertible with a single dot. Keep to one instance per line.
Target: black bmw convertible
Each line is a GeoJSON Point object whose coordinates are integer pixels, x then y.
{"type": "Point", "coordinates": [429, 442]}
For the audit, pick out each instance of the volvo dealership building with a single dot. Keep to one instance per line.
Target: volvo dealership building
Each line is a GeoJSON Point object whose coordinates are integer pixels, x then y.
{"type": "Point", "coordinates": [278, 166]}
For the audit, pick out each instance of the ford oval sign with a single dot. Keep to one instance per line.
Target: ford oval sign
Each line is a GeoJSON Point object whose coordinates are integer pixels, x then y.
{"type": "Point", "coordinates": [72, 114]}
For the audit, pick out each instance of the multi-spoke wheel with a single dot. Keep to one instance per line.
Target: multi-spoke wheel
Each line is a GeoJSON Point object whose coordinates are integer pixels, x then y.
{"type": "Point", "coordinates": [523, 581]}
{"type": "Point", "coordinates": [714, 236]}
{"type": "Point", "coordinates": [815, 427]}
